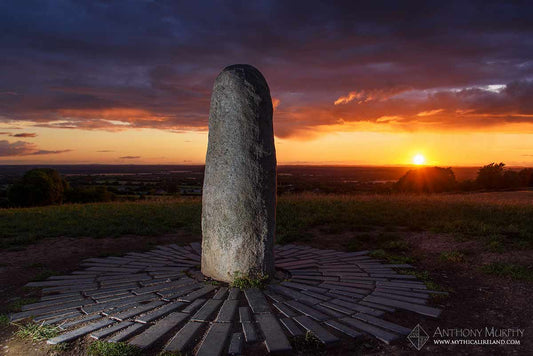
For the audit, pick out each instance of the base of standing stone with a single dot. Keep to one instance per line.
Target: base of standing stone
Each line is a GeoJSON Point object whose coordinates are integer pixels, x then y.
{"type": "Point", "coordinates": [161, 298]}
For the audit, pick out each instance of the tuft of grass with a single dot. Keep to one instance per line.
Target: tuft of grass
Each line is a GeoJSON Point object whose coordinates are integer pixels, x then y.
{"type": "Point", "coordinates": [62, 347]}
{"type": "Point", "coordinates": [397, 245]}
{"type": "Point", "coordinates": [383, 255]}
{"type": "Point", "coordinates": [213, 282]}
{"type": "Point", "coordinates": [509, 270]}
{"type": "Point", "coordinates": [354, 245]}
{"type": "Point", "coordinates": [307, 345]}
{"type": "Point", "coordinates": [169, 353]}
{"type": "Point", "coordinates": [16, 305]}
{"type": "Point", "coordinates": [102, 348]}
{"type": "Point", "coordinates": [37, 332]}
{"type": "Point", "coordinates": [4, 320]}
{"type": "Point", "coordinates": [495, 243]}
{"type": "Point", "coordinates": [44, 274]}
{"type": "Point", "coordinates": [243, 282]}
{"type": "Point", "coordinates": [452, 256]}
{"type": "Point", "coordinates": [425, 277]}
{"type": "Point", "coordinates": [358, 242]}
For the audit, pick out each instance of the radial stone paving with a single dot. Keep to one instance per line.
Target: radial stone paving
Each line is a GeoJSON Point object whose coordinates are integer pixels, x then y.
{"type": "Point", "coordinates": [158, 299]}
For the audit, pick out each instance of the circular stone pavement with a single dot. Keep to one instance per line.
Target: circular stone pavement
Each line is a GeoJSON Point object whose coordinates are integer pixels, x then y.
{"type": "Point", "coordinates": [159, 299]}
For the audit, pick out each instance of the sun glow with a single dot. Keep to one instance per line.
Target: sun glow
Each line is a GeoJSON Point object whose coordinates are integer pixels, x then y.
{"type": "Point", "coordinates": [419, 159]}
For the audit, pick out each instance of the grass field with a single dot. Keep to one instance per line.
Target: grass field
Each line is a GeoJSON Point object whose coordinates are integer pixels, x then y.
{"type": "Point", "coordinates": [494, 218]}
{"type": "Point", "coordinates": [476, 247]}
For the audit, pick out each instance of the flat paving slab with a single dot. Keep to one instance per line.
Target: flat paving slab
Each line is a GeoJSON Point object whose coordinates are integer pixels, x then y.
{"type": "Point", "coordinates": [256, 300]}
{"type": "Point", "coordinates": [74, 334]}
{"type": "Point", "coordinates": [205, 313]}
{"type": "Point", "coordinates": [316, 329]}
{"type": "Point", "coordinates": [275, 339]}
{"type": "Point", "coordinates": [158, 299]}
{"type": "Point", "coordinates": [102, 333]}
{"type": "Point", "coordinates": [185, 337]}
{"type": "Point", "coordinates": [215, 340]}
{"type": "Point", "coordinates": [151, 335]}
{"type": "Point", "coordinates": [236, 344]}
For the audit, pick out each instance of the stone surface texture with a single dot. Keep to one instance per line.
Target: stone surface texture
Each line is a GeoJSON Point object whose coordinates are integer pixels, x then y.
{"type": "Point", "coordinates": [239, 193]}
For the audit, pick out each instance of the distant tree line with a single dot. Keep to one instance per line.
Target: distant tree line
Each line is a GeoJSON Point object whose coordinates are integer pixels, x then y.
{"type": "Point", "coordinates": [490, 177]}
{"type": "Point", "coordinates": [45, 186]}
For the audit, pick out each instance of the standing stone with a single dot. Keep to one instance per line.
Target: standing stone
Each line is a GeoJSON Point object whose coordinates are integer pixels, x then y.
{"type": "Point", "coordinates": [239, 194]}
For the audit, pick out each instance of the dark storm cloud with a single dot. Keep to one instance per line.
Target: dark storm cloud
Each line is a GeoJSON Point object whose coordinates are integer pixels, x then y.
{"type": "Point", "coordinates": [118, 65]}
{"type": "Point", "coordinates": [25, 134]}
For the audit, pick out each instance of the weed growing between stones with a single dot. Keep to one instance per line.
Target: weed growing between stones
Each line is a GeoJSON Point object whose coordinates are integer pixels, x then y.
{"type": "Point", "coordinates": [169, 353]}
{"type": "Point", "coordinates": [213, 282]}
{"type": "Point", "coordinates": [4, 320]}
{"type": "Point", "coordinates": [244, 282]}
{"type": "Point", "coordinates": [307, 345]}
{"type": "Point", "coordinates": [102, 348]}
{"type": "Point", "coordinates": [426, 278]}
{"type": "Point", "coordinates": [430, 284]}
{"type": "Point", "coordinates": [60, 348]}
{"type": "Point", "coordinates": [37, 332]}
{"type": "Point", "coordinates": [16, 305]}
{"type": "Point", "coordinates": [44, 274]}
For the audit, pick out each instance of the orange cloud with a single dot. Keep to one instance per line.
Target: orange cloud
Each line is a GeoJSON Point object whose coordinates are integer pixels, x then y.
{"type": "Point", "coordinates": [275, 103]}
{"type": "Point", "coordinates": [430, 112]}
{"type": "Point", "coordinates": [365, 96]}
{"type": "Point", "coordinates": [388, 119]}
{"type": "Point", "coordinates": [115, 114]}
{"type": "Point", "coordinates": [353, 95]}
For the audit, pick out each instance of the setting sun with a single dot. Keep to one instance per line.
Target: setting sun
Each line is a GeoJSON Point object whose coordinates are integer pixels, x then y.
{"type": "Point", "coordinates": [419, 159]}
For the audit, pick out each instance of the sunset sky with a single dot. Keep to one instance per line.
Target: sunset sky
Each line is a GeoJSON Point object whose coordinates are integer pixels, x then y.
{"type": "Point", "coordinates": [369, 83]}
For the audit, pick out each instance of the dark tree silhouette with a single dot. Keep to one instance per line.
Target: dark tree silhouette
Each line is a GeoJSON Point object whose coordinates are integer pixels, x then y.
{"type": "Point", "coordinates": [490, 176]}
{"type": "Point", "coordinates": [526, 177]}
{"type": "Point", "coordinates": [511, 179]}
{"type": "Point", "coordinates": [90, 194]}
{"type": "Point", "coordinates": [427, 180]}
{"type": "Point", "coordinates": [39, 186]}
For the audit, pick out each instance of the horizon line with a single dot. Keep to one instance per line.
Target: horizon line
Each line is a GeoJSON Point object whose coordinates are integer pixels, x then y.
{"type": "Point", "coordinates": [282, 165]}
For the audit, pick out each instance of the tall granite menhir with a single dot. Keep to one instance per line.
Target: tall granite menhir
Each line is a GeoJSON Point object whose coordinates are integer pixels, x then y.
{"type": "Point", "coordinates": [239, 194]}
